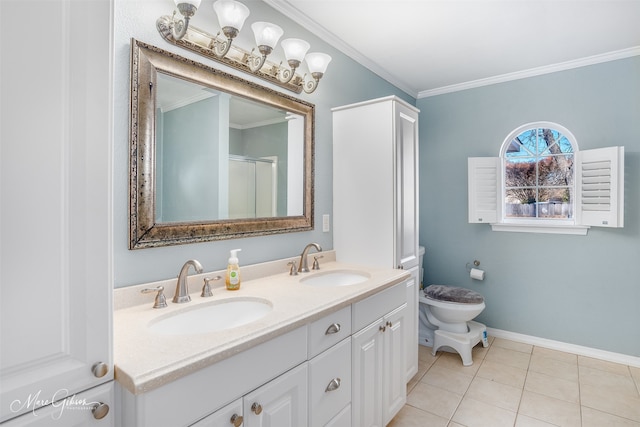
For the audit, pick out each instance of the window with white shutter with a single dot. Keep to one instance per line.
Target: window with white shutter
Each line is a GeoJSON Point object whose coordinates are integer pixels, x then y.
{"type": "Point", "coordinates": [542, 183]}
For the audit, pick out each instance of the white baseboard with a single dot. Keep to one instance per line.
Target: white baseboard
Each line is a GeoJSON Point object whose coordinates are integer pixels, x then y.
{"type": "Point", "coordinates": [568, 348]}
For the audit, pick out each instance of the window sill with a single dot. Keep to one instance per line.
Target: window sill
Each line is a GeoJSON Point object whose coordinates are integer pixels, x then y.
{"type": "Point", "coordinates": [579, 230]}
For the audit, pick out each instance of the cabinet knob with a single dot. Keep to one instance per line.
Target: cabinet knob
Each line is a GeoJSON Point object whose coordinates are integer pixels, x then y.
{"type": "Point", "coordinates": [100, 410]}
{"type": "Point", "coordinates": [389, 324]}
{"type": "Point", "coordinates": [100, 369]}
{"type": "Point", "coordinates": [236, 420]}
{"type": "Point", "coordinates": [334, 384]}
{"type": "Point", "coordinates": [383, 328]}
{"type": "Point", "coordinates": [333, 329]}
{"type": "Point", "coordinates": [256, 408]}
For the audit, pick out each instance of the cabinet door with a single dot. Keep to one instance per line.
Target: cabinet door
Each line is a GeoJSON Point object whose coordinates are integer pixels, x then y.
{"type": "Point", "coordinates": [411, 324]}
{"type": "Point", "coordinates": [281, 402]}
{"type": "Point", "coordinates": [229, 416]}
{"type": "Point", "coordinates": [394, 385]}
{"type": "Point", "coordinates": [406, 145]}
{"type": "Point", "coordinates": [367, 364]}
{"type": "Point", "coordinates": [56, 250]}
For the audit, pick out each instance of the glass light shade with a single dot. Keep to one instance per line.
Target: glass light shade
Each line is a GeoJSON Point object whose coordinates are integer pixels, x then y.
{"type": "Point", "coordinates": [295, 49]}
{"type": "Point", "coordinates": [231, 13]}
{"type": "Point", "coordinates": [317, 62]}
{"type": "Point", "coordinates": [195, 3]}
{"type": "Point", "coordinates": [266, 33]}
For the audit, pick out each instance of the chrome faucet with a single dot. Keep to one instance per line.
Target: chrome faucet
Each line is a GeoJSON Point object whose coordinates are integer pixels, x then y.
{"type": "Point", "coordinates": [182, 292]}
{"type": "Point", "coordinates": [304, 266]}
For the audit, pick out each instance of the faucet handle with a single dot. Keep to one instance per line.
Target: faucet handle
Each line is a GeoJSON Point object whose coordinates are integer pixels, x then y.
{"type": "Point", "coordinates": [206, 289]}
{"type": "Point", "coordinates": [316, 264]}
{"type": "Point", "coordinates": [160, 301]}
{"type": "Point", "coordinates": [293, 271]}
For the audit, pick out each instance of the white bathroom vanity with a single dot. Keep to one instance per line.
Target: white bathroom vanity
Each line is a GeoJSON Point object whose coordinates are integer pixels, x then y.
{"type": "Point", "coordinates": [323, 355]}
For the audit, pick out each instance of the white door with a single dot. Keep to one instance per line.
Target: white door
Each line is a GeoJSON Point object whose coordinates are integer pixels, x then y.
{"type": "Point", "coordinates": [394, 385]}
{"type": "Point", "coordinates": [406, 134]}
{"type": "Point", "coordinates": [367, 365]}
{"type": "Point", "coordinates": [281, 402]}
{"type": "Point", "coordinates": [55, 226]}
{"type": "Point", "coordinates": [411, 324]}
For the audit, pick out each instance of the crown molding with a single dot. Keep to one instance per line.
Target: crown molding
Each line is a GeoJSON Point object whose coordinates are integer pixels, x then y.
{"type": "Point", "coordinates": [307, 23]}
{"type": "Point", "coordinates": [547, 69]}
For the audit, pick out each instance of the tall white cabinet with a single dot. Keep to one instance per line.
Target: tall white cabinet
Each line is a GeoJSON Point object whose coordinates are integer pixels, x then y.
{"type": "Point", "coordinates": [375, 194]}
{"type": "Point", "coordinates": [56, 363]}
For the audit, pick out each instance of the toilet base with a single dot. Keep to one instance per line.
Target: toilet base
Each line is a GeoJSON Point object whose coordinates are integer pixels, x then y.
{"type": "Point", "coordinates": [461, 343]}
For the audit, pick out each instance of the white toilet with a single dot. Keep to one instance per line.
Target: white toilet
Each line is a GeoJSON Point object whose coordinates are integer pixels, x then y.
{"type": "Point", "coordinates": [446, 314]}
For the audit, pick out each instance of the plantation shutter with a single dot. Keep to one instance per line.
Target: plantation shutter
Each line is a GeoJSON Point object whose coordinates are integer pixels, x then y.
{"type": "Point", "coordinates": [484, 186]}
{"type": "Point", "coordinates": [600, 187]}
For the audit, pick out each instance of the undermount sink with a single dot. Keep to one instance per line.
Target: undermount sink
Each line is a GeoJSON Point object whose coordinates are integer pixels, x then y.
{"type": "Point", "coordinates": [216, 316]}
{"type": "Point", "coordinates": [335, 278]}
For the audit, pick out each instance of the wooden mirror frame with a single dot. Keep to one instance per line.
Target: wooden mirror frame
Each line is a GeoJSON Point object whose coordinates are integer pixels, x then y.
{"type": "Point", "coordinates": [144, 231]}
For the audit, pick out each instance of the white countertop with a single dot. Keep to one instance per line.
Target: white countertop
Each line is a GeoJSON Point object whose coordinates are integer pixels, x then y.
{"type": "Point", "coordinates": [145, 360]}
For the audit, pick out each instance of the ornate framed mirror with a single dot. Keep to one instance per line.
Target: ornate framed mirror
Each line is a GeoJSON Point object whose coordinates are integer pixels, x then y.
{"type": "Point", "coordinates": [213, 156]}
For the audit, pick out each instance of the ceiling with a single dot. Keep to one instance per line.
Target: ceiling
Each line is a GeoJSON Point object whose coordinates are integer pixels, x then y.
{"type": "Point", "coordinates": [429, 47]}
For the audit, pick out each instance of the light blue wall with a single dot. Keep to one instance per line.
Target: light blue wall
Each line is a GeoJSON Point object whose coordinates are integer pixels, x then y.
{"type": "Point", "coordinates": [583, 290]}
{"type": "Point", "coordinates": [345, 82]}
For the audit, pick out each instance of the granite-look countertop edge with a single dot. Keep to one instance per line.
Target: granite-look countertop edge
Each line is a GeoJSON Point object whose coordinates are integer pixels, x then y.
{"type": "Point", "coordinates": [145, 361]}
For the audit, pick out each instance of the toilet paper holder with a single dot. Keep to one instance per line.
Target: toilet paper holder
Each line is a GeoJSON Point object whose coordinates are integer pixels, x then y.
{"type": "Point", "coordinates": [476, 264]}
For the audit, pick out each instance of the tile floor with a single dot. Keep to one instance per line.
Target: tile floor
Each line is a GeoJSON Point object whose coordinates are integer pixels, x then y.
{"type": "Point", "coordinates": [515, 384]}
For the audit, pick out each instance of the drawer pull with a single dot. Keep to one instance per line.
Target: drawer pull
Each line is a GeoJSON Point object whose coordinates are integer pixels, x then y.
{"type": "Point", "coordinates": [100, 410]}
{"type": "Point", "coordinates": [236, 420]}
{"type": "Point", "coordinates": [256, 408]}
{"type": "Point", "coordinates": [100, 369]}
{"type": "Point", "coordinates": [334, 384]}
{"type": "Point", "coordinates": [333, 329]}
{"type": "Point", "coordinates": [383, 328]}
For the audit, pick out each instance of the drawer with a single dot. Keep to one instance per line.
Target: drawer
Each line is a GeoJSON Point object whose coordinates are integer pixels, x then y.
{"type": "Point", "coordinates": [328, 331]}
{"type": "Point", "coordinates": [376, 306]}
{"type": "Point", "coordinates": [329, 383]}
{"type": "Point", "coordinates": [343, 419]}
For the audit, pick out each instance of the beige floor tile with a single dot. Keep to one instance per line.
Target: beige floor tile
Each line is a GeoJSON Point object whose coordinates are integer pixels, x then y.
{"type": "Point", "coordinates": [503, 374]}
{"type": "Point", "coordinates": [424, 355]}
{"type": "Point", "coordinates": [594, 418]}
{"type": "Point", "coordinates": [554, 367]}
{"type": "Point", "coordinates": [494, 393]}
{"type": "Point", "coordinates": [553, 387]}
{"type": "Point", "coordinates": [610, 401]}
{"type": "Point", "coordinates": [508, 357]}
{"type": "Point", "coordinates": [554, 411]}
{"type": "Point", "coordinates": [479, 352]}
{"type": "Point", "coordinates": [609, 381]}
{"type": "Point", "coordinates": [413, 381]}
{"type": "Point", "coordinates": [434, 399]}
{"type": "Point", "coordinates": [556, 355]}
{"type": "Point", "coordinates": [414, 417]}
{"type": "Point", "coordinates": [635, 373]}
{"type": "Point", "coordinates": [525, 421]}
{"type": "Point", "coordinates": [447, 379]}
{"type": "Point", "coordinates": [473, 413]}
{"type": "Point", "coordinates": [512, 345]}
{"type": "Point", "coordinates": [603, 365]}
{"type": "Point", "coordinates": [454, 424]}
{"type": "Point", "coordinates": [454, 362]}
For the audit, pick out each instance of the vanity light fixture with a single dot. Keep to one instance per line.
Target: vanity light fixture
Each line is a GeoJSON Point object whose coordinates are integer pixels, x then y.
{"type": "Point", "coordinates": [231, 17]}
{"type": "Point", "coordinates": [187, 9]}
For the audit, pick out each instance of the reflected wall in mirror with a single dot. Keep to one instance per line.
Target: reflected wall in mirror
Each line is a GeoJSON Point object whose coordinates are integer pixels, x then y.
{"type": "Point", "coordinates": [213, 156]}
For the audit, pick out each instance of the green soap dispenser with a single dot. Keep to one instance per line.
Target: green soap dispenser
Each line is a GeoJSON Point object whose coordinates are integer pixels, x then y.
{"type": "Point", "coordinates": [233, 271]}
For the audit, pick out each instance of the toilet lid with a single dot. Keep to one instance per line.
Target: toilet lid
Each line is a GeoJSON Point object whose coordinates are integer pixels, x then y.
{"type": "Point", "coordinates": [453, 294]}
